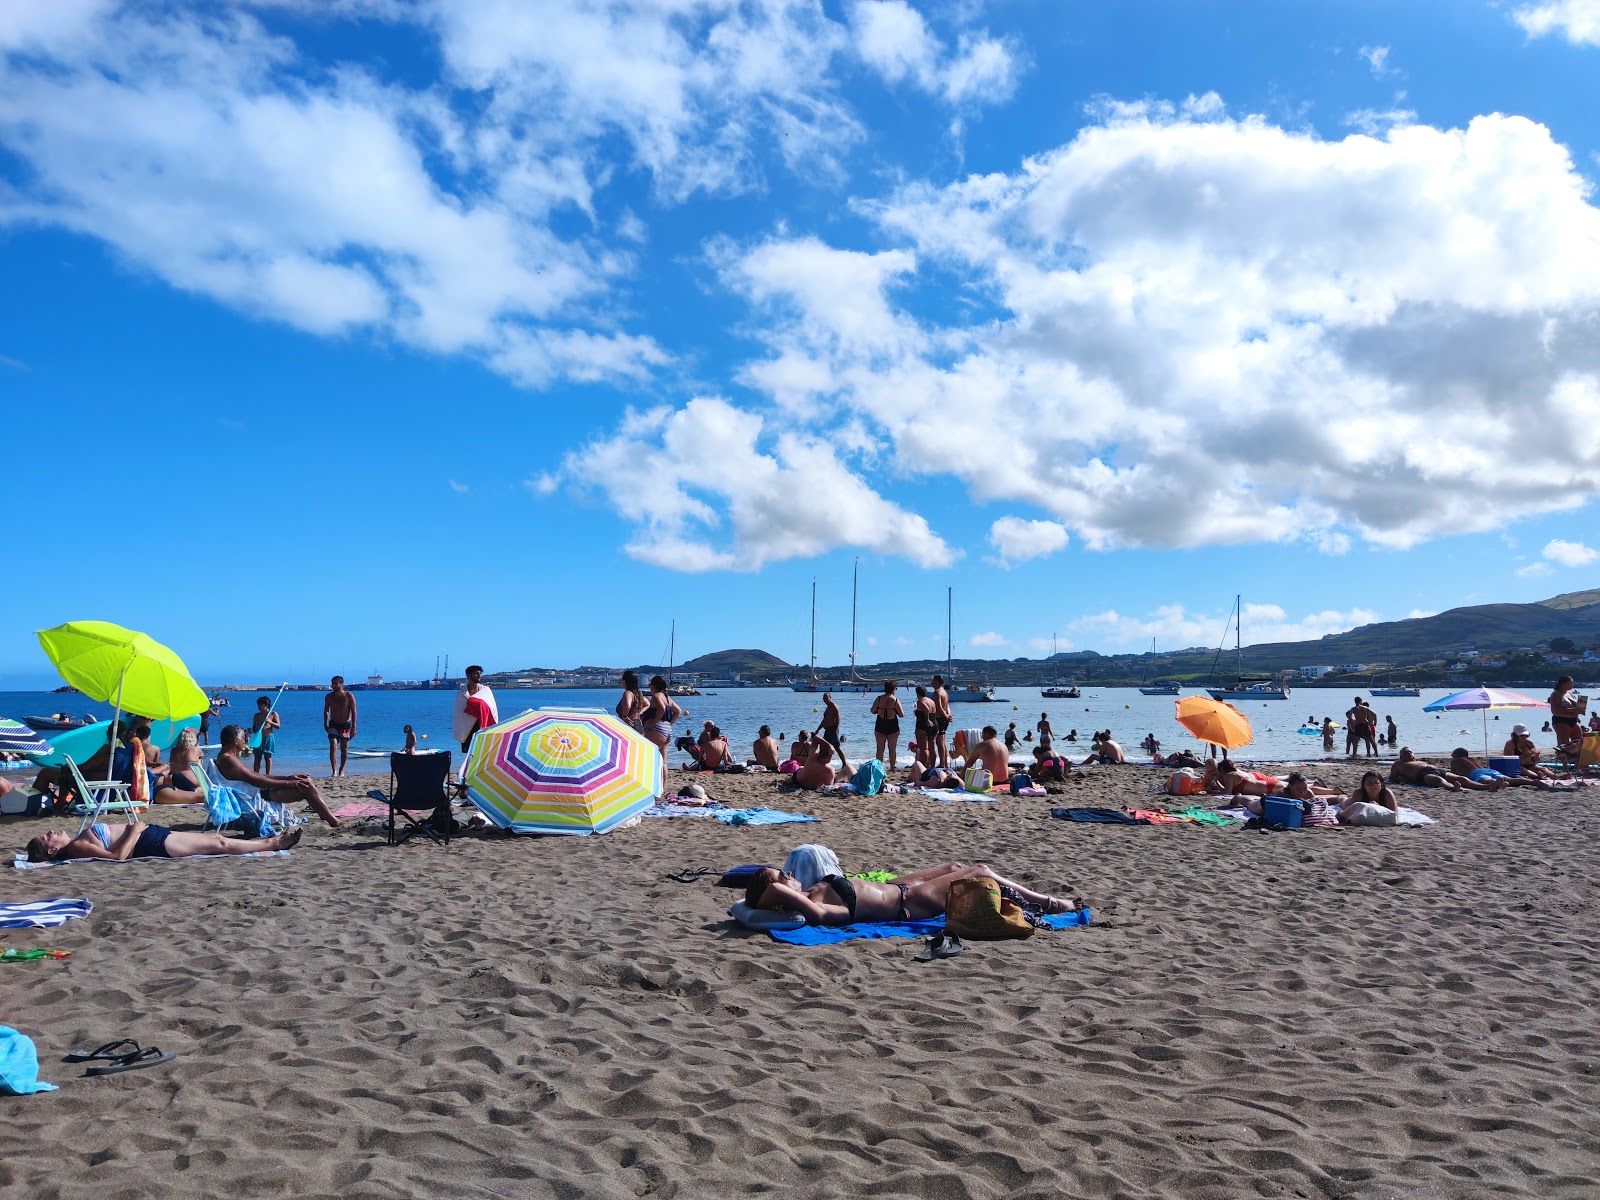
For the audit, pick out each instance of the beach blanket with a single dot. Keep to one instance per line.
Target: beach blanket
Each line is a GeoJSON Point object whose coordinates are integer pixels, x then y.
{"type": "Point", "coordinates": [42, 914]}
{"type": "Point", "coordinates": [1098, 816]}
{"type": "Point", "coordinates": [729, 816]}
{"type": "Point", "coordinates": [21, 863]}
{"type": "Point", "coordinates": [829, 935]}
{"type": "Point", "coordinates": [1407, 817]}
{"type": "Point", "coordinates": [19, 1064]}
{"type": "Point", "coordinates": [1204, 816]}
{"type": "Point", "coordinates": [362, 808]}
{"type": "Point", "coordinates": [947, 796]}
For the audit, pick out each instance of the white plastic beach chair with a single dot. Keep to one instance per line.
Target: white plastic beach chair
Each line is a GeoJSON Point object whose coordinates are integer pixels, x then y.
{"type": "Point", "coordinates": [103, 797]}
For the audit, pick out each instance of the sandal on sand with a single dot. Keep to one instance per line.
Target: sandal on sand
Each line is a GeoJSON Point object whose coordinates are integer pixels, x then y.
{"type": "Point", "coordinates": [111, 1050]}
{"type": "Point", "coordinates": [137, 1061]}
{"type": "Point", "coordinates": [941, 945]}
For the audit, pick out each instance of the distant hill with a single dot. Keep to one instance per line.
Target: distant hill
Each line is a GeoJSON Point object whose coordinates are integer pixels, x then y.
{"type": "Point", "coordinates": [736, 662]}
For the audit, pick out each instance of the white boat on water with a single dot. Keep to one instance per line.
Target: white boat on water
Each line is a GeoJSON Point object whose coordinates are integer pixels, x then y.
{"type": "Point", "coordinates": [1246, 687]}
{"type": "Point", "coordinates": [1155, 689]}
{"type": "Point", "coordinates": [972, 693]}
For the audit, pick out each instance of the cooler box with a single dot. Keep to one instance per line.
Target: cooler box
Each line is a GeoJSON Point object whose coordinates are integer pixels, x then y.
{"type": "Point", "coordinates": [1506, 766]}
{"type": "Point", "coordinates": [1276, 811]}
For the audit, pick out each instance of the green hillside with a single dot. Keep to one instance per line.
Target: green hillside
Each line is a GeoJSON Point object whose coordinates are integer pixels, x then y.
{"type": "Point", "coordinates": [736, 662]}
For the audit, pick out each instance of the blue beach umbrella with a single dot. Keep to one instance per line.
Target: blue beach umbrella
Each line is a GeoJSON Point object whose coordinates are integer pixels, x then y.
{"type": "Point", "coordinates": [17, 738]}
{"type": "Point", "coordinates": [1482, 699]}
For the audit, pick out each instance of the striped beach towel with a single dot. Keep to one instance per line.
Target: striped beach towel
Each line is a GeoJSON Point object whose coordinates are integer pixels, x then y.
{"type": "Point", "coordinates": [42, 914]}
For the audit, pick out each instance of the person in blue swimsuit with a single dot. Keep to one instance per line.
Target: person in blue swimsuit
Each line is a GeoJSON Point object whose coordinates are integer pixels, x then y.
{"type": "Point", "coordinates": [135, 839]}
{"type": "Point", "coordinates": [840, 900]}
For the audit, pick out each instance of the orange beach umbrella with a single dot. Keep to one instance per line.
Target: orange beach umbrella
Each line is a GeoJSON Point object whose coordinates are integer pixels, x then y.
{"type": "Point", "coordinates": [1214, 721]}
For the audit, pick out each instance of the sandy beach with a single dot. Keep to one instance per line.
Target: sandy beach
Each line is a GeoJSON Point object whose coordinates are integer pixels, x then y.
{"type": "Point", "coordinates": [1339, 1013]}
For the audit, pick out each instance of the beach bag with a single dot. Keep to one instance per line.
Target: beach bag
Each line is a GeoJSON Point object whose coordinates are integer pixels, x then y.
{"type": "Point", "coordinates": [979, 779]}
{"type": "Point", "coordinates": [869, 777]}
{"type": "Point", "coordinates": [976, 910]}
{"type": "Point", "coordinates": [1185, 783]}
{"type": "Point", "coordinates": [1020, 781]}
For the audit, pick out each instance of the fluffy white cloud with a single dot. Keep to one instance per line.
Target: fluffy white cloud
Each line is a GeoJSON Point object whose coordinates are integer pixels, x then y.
{"type": "Point", "coordinates": [893, 39]}
{"type": "Point", "coordinates": [1018, 540]}
{"type": "Point", "coordinates": [1172, 625]}
{"type": "Point", "coordinates": [1182, 297]}
{"type": "Point", "coordinates": [1569, 554]}
{"type": "Point", "coordinates": [681, 475]}
{"type": "Point", "coordinates": [1377, 58]}
{"type": "Point", "coordinates": [1576, 20]}
{"type": "Point", "coordinates": [988, 640]}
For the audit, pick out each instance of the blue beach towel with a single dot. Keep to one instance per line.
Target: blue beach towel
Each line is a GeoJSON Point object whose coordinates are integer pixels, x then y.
{"type": "Point", "coordinates": [1097, 816]}
{"type": "Point", "coordinates": [19, 1064]}
{"type": "Point", "coordinates": [759, 816]}
{"type": "Point", "coordinates": [42, 914]}
{"type": "Point", "coordinates": [828, 935]}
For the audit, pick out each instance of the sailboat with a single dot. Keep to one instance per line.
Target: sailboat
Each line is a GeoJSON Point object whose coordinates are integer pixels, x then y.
{"type": "Point", "coordinates": [811, 684]}
{"type": "Point", "coordinates": [1394, 689]}
{"type": "Point", "coordinates": [676, 689]}
{"type": "Point", "coordinates": [1059, 690]}
{"type": "Point", "coordinates": [1246, 687]}
{"type": "Point", "coordinates": [855, 683]}
{"type": "Point", "coordinates": [973, 693]}
{"type": "Point", "coordinates": [1156, 689]}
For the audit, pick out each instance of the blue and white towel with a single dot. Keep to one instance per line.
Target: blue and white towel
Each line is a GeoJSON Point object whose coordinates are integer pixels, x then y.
{"type": "Point", "coordinates": [42, 914]}
{"type": "Point", "coordinates": [19, 1064]}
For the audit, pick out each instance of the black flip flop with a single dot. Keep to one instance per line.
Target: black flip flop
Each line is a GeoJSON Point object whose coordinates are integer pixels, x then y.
{"type": "Point", "coordinates": [111, 1050]}
{"type": "Point", "coordinates": [138, 1061]}
{"type": "Point", "coordinates": [941, 945]}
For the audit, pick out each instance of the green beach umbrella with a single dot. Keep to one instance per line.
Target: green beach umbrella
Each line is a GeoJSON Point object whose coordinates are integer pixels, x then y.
{"type": "Point", "coordinates": [120, 667]}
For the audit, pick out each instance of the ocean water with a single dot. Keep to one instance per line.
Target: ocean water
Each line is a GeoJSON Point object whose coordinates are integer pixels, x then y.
{"type": "Point", "coordinates": [302, 745]}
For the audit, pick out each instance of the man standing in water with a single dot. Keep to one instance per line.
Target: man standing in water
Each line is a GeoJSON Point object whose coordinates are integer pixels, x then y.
{"type": "Point", "coordinates": [941, 721]}
{"type": "Point", "coordinates": [339, 719]}
{"type": "Point", "coordinates": [475, 708]}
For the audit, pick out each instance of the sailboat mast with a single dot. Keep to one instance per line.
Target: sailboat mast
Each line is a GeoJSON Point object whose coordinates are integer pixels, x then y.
{"type": "Point", "coordinates": [1238, 634]}
{"type": "Point", "coordinates": [949, 609]}
{"type": "Point", "coordinates": [855, 575]}
{"type": "Point", "coordinates": [813, 631]}
{"type": "Point", "coordinates": [672, 653]}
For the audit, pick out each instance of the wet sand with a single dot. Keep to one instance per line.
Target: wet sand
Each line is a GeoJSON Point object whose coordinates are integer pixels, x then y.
{"type": "Point", "coordinates": [1357, 1013]}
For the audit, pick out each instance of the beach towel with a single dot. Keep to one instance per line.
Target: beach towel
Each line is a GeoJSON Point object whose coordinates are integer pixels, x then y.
{"type": "Point", "coordinates": [1155, 816]}
{"type": "Point", "coordinates": [728, 816]}
{"type": "Point", "coordinates": [21, 863]}
{"type": "Point", "coordinates": [1412, 818]}
{"type": "Point", "coordinates": [42, 914]}
{"type": "Point", "coordinates": [362, 808]}
{"type": "Point", "coordinates": [1098, 816]}
{"type": "Point", "coordinates": [1204, 816]}
{"type": "Point", "coordinates": [946, 796]}
{"type": "Point", "coordinates": [19, 1064]}
{"type": "Point", "coordinates": [830, 935]}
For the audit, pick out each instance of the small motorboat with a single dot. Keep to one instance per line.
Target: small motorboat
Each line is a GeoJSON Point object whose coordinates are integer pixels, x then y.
{"type": "Point", "coordinates": [56, 723]}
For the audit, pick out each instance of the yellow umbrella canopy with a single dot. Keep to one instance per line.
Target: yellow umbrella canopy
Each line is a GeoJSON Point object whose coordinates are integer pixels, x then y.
{"type": "Point", "coordinates": [118, 666]}
{"type": "Point", "coordinates": [1214, 721]}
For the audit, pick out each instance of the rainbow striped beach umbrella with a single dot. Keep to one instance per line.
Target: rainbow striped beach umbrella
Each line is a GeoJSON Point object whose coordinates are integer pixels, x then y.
{"type": "Point", "coordinates": [562, 771]}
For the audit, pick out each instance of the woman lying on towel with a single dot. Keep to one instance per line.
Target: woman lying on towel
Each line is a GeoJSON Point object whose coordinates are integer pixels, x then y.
{"type": "Point", "coordinates": [138, 840]}
{"type": "Point", "coordinates": [840, 900]}
{"type": "Point", "coordinates": [1372, 803]}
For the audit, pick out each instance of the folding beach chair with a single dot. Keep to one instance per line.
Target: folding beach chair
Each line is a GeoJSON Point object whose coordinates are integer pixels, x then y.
{"type": "Point", "coordinates": [233, 805]}
{"type": "Point", "coordinates": [103, 797]}
{"type": "Point", "coordinates": [418, 782]}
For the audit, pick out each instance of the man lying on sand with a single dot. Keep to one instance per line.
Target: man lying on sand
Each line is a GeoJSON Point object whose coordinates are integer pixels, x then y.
{"type": "Point", "coordinates": [839, 900]}
{"type": "Point", "coordinates": [138, 840]}
{"type": "Point", "coordinates": [1408, 768]}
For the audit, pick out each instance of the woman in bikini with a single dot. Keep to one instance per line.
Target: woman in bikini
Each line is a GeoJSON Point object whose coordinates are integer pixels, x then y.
{"type": "Point", "coordinates": [138, 840]}
{"type": "Point", "coordinates": [888, 711]}
{"type": "Point", "coordinates": [655, 722]}
{"type": "Point", "coordinates": [839, 900]}
{"type": "Point", "coordinates": [633, 704]}
{"type": "Point", "coordinates": [179, 785]}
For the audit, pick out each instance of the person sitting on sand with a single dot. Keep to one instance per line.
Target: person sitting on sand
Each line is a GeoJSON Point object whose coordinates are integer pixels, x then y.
{"type": "Point", "coordinates": [1048, 767]}
{"type": "Point", "coordinates": [1462, 763]}
{"type": "Point", "coordinates": [800, 748]}
{"type": "Point", "coordinates": [816, 772]}
{"type": "Point", "coordinates": [1182, 758]}
{"type": "Point", "coordinates": [916, 896]}
{"type": "Point", "coordinates": [179, 785]}
{"type": "Point", "coordinates": [1521, 745]}
{"type": "Point", "coordinates": [281, 789]}
{"type": "Point", "coordinates": [1106, 751]}
{"type": "Point", "coordinates": [713, 748]}
{"type": "Point", "coordinates": [1408, 768]}
{"type": "Point", "coordinates": [1371, 803]}
{"type": "Point", "coordinates": [765, 749]}
{"type": "Point", "coordinates": [990, 754]}
{"type": "Point", "coordinates": [135, 839]}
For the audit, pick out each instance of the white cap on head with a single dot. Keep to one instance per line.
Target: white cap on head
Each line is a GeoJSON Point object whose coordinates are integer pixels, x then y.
{"type": "Point", "coordinates": [1519, 729]}
{"type": "Point", "coordinates": [693, 790]}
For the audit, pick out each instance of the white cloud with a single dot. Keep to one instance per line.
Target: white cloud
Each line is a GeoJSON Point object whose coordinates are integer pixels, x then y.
{"type": "Point", "coordinates": [1569, 554]}
{"type": "Point", "coordinates": [1018, 540]}
{"type": "Point", "coordinates": [1576, 20]}
{"type": "Point", "coordinates": [1377, 59]}
{"type": "Point", "coordinates": [1173, 625]}
{"type": "Point", "coordinates": [1416, 613]}
{"type": "Point", "coordinates": [988, 640]}
{"type": "Point", "coordinates": [1536, 570]}
{"type": "Point", "coordinates": [893, 39]}
{"type": "Point", "coordinates": [1179, 293]}
{"type": "Point", "coordinates": [902, 641]}
{"type": "Point", "coordinates": [711, 464]}
{"type": "Point", "coordinates": [459, 489]}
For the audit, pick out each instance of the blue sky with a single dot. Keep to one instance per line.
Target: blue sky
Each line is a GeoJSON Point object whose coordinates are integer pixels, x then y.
{"type": "Point", "coordinates": [346, 335]}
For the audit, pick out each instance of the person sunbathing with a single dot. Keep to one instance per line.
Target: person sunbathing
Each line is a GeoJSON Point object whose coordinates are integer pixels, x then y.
{"type": "Point", "coordinates": [1050, 768]}
{"type": "Point", "coordinates": [840, 900]}
{"type": "Point", "coordinates": [765, 749]}
{"type": "Point", "coordinates": [938, 778]}
{"type": "Point", "coordinates": [282, 789]}
{"type": "Point", "coordinates": [1408, 768]}
{"type": "Point", "coordinates": [1314, 794]}
{"type": "Point", "coordinates": [990, 754]}
{"type": "Point", "coordinates": [1521, 745]}
{"type": "Point", "coordinates": [815, 772]}
{"type": "Point", "coordinates": [135, 839]}
{"type": "Point", "coordinates": [178, 785]}
{"type": "Point", "coordinates": [1462, 763]}
{"type": "Point", "coordinates": [1372, 803]}
{"type": "Point", "coordinates": [800, 748]}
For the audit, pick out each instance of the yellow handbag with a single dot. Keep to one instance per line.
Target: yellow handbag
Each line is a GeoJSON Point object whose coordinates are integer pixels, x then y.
{"type": "Point", "coordinates": [976, 910]}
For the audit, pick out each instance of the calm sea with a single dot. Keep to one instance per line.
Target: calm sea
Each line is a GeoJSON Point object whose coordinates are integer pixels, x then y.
{"type": "Point", "coordinates": [302, 745]}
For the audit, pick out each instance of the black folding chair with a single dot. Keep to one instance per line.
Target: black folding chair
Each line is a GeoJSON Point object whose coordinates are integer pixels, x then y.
{"type": "Point", "coordinates": [417, 782]}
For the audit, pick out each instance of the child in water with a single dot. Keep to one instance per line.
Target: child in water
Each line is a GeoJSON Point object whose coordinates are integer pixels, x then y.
{"type": "Point", "coordinates": [266, 723]}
